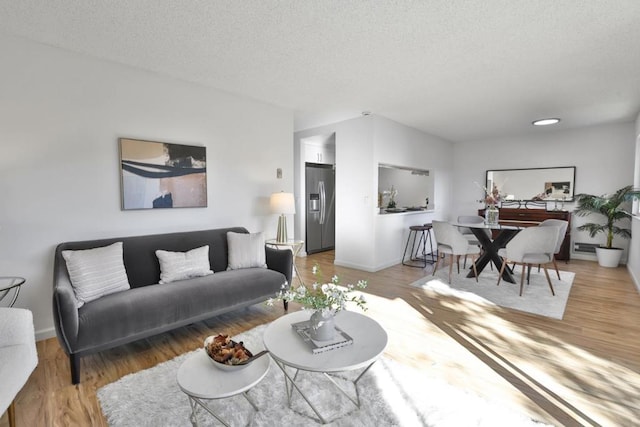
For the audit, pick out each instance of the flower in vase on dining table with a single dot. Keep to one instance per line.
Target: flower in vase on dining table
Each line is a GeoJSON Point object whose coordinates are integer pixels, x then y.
{"type": "Point", "coordinates": [324, 299]}
{"type": "Point", "coordinates": [494, 197]}
{"type": "Point", "coordinates": [490, 198]}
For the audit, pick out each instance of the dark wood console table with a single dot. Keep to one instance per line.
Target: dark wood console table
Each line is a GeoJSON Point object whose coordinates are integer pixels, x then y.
{"type": "Point", "coordinates": [532, 217]}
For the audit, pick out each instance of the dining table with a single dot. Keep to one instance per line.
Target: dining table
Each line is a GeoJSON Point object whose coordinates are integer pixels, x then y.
{"type": "Point", "coordinates": [503, 234]}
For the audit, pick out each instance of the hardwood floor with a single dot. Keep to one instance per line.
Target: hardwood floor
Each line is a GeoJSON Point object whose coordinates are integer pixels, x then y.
{"type": "Point", "coordinates": [582, 370]}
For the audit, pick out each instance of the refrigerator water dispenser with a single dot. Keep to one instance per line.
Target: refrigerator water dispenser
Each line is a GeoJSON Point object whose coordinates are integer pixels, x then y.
{"type": "Point", "coordinates": [314, 202]}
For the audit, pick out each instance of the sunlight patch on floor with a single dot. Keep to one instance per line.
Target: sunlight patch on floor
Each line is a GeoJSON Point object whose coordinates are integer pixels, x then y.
{"type": "Point", "coordinates": [538, 361]}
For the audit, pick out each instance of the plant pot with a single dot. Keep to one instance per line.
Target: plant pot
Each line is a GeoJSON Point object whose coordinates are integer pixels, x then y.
{"type": "Point", "coordinates": [608, 257]}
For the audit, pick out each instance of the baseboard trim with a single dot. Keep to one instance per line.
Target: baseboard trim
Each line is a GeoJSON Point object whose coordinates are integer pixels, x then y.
{"type": "Point", "coordinates": [367, 268]}
{"type": "Point", "coordinates": [45, 334]}
{"type": "Point", "coordinates": [583, 257]}
{"type": "Point", "coordinates": [634, 278]}
{"type": "Point", "coordinates": [354, 266]}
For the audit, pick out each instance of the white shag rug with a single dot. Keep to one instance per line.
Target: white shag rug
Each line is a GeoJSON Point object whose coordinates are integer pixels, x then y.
{"type": "Point", "coordinates": [391, 395]}
{"type": "Point", "coordinates": [536, 296]}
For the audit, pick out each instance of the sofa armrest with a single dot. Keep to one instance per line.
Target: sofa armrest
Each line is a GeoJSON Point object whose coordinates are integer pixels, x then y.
{"type": "Point", "coordinates": [65, 312]}
{"type": "Point", "coordinates": [280, 260]}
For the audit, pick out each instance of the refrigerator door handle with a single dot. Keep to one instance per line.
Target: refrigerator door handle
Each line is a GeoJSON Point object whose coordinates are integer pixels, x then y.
{"type": "Point", "coordinates": [323, 201]}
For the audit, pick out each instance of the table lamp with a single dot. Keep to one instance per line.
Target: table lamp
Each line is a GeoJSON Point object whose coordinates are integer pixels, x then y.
{"type": "Point", "coordinates": [282, 203]}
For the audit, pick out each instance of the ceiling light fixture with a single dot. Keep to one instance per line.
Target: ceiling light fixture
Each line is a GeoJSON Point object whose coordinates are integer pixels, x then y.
{"type": "Point", "coordinates": [545, 122]}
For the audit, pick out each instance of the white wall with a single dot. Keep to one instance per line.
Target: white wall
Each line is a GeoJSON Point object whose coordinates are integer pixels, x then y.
{"type": "Point", "coordinates": [603, 156]}
{"type": "Point", "coordinates": [61, 115]}
{"type": "Point", "coordinates": [633, 263]}
{"type": "Point", "coordinates": [401, 145]}
{"type": "Point", "coordinates": [354, 171]}
{"type": "Point", "coordinates": [356, 193]}
{"type": "Point", "coordinates": [364, 239]}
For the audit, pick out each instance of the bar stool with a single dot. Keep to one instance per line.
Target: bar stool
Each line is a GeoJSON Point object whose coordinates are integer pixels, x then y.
{"type": "Point", "coordinates": [414, 256]}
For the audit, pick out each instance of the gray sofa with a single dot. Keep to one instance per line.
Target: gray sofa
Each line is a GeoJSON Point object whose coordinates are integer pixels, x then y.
{"type": "Point", "coordinates": [149, 308]}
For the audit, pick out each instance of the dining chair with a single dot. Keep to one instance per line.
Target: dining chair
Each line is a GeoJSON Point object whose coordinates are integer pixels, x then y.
{"type": "Point", "coordinates": [468, 234]}
{"type": "Point", "coordinates": [562, 231]}
{"type": "Point", "coordinates": [449, 240]}
{"type": "Point", "coordinates": [466, 231]}
{"type": "Point", "coordinates": [531, 246]}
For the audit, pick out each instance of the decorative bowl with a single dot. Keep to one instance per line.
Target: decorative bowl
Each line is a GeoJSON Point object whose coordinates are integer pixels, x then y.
{"type": "Point", "coordinates": [220, 350]}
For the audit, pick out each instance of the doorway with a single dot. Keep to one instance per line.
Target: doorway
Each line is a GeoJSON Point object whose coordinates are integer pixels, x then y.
{"type": "Point", "coordinates": [320, 206]}
{"type": "Point", "coordinates": [318, 185]}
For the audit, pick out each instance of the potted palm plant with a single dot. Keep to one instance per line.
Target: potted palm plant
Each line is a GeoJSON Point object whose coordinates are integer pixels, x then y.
{"type": "Point", "coordinates": [612, 207]}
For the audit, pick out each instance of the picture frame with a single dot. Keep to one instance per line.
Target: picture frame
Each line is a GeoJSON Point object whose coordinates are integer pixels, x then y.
{"type": "Point", "coordinates": [161, 175]}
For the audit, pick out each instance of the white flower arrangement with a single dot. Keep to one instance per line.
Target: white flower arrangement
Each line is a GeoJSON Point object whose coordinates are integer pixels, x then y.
{"type": "Point", "coordinates": [328, 297]}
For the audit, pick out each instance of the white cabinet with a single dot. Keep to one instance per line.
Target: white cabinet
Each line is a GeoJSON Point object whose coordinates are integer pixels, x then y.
{"type": "Point", "coordinates": [317, 153]}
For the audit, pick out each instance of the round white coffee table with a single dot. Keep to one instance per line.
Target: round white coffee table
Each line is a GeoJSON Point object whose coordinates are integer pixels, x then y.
{"type": "Point", "coordinates": [199, 379]}
{"type": "Point", "coordinates": [288, 349]}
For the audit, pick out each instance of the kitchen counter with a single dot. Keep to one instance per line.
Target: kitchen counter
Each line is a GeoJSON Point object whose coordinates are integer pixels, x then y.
{"type": "Point", "coordinates": [391, 232]}
{"type": "Point", "coordinates": [404, 211]}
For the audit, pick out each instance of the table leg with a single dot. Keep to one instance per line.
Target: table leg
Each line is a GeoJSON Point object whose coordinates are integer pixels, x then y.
{"type": "Point", "coordinates": [290, 384]}
{"type": "Point", "coordinates": [206, 408]}
{"type": "Point", "coordinates": [296, 251]}
{"type": "Point", "coordinates": [490, 251]}
{"type": "Point", "coordinates": [15, 297]}
{"type": "Point", "coordinates": [193, 418]}
{"type": "Point", "coordinates": [355, 401]}
{"type": "Point", "coordinates": [295, 268]}
{"type": "Point", "coordinates": [195, 402]}
{"type": "Point", "coordinates": [246, 396]}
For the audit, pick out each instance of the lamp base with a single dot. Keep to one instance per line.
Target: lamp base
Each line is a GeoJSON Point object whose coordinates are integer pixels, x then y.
{"type": "Point", "coordinates": [281, 235]}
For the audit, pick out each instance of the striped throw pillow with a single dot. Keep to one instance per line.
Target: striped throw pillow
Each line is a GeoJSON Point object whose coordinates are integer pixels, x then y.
{"type": "Point", "coordinates": [245, 250]}
{"type": "Point", "coordinates": [183, 265]}
{"type": "Point", "coordinates": [96, 272]}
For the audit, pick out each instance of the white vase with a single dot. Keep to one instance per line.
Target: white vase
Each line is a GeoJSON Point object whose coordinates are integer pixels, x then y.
{"type": "Point", "coordinates": [323, 325]}
{"type": "Point", "coordinates": [608, 257]}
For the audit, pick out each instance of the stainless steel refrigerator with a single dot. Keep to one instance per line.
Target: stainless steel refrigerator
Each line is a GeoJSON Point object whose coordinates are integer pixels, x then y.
{"type": "Point", "coordinates": [321, 210]}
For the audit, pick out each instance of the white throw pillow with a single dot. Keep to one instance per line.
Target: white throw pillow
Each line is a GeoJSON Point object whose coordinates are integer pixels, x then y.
{"type": "Point", "coordinates": [246, 250]}
{"type": "Point", "coordinates": [96, 272]}
{"type": "Point", "coordinates": [183, 265]}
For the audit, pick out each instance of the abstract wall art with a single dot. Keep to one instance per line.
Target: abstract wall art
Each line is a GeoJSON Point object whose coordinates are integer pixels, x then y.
{"type": "Point", "coordinates": [162, 175]}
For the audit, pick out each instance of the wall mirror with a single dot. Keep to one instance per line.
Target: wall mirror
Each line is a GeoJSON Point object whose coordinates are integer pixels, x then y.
{"type": "Point", "coordinates": [555, 183]}
{"type": "Point", "coordinates": [412, 187]}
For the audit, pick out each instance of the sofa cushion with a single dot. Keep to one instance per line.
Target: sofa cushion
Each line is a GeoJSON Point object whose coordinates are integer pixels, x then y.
{"type": "Point", "coordinates": [96, 272]}
{"type": "Point", "coordinates": [246, 250]}
{"type": "Point", "coordinates": [183, 265]}
{"type": "Point", "coordinates": [152, 309]}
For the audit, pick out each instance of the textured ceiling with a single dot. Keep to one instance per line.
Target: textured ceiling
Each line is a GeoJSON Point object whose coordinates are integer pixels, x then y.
{"type": "Point", "coordinates": [459, 69]}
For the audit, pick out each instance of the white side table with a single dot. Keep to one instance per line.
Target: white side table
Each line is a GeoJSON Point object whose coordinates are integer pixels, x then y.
{"type": "Point", "coordinates": [288, 350]}
{"type": "Point", "coordinates": [294, 245]}
{"type": "Point", "coordinates": [200, 380]}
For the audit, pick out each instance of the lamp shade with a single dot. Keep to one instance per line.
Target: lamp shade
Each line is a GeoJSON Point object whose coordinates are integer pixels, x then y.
{"type": "Point", "coordinates": [282, 203]}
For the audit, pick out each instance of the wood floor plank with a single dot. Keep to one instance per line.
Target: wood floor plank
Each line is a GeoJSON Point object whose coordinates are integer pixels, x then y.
{"type": "Point", "coordinates": [581, 370]}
